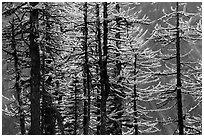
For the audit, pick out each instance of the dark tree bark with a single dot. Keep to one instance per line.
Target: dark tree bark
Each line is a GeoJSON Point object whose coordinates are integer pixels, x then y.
{"type": "Point", "coordinates": [52, 116]}
{"type": "Point", "coordinates": [98, 40]}
{"type": "Point", "coordinates": [86, 75]}
{"type": "Point", "coordinates": [117, 125]}
{"type": "Point", "coordinates": [43, 91]}
{"type": "Point", "coordinates": [118, 63]}
{"type": "Point", "coordinates": [18, 75]}
{"type": "Point", "coordinates": [179, 85]}
{"type": "Point", "coordinates": [135, 97]}
{"type": "Point", "coordinates": [104, 76]}
{"type": "Point", "coordinates": [35, 74]}
{"type": "Point", "coordinates": [49, 118]}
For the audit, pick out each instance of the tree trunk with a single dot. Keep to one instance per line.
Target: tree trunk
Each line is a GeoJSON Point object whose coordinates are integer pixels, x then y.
{"type": "Point", "coordinates": [178, 86]}
{"type": "Point", "coordinates": [43, 91]}
{"type": "Point", "coordinates": [135, 97]}
{"type": "Point", "coordinates": [35, 74]}
{"type": "Point", "coordinates": [98, 40]}
{"type": "Point", "coordinates": [47, 119]}
{"type": "Point", "coordinates": [104, 76]}
{"type": "Point", "coordinates": [117, 126]}
{"type": "Point", "coordinates": [86, 75]}
{"type": "Point", "coordinates": [17, 85]}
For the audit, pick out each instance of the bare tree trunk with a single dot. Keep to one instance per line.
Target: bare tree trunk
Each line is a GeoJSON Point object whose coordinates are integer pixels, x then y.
{"type": "Point", "coordinates": [43, 89]}
{"type": "Point", "coordinates": [43, 93]}
{"type": "Point", "coordinates": [178, 64]}
{"type": "Point", "coordinates": [17, 84]}
{"type": "Point", "coordinates": [86, 75]}
{"type": "Point", "coordinates": [104, 76]}
{"type": "Point", "coordinates": [35, 74]}
{"type": "Point", "coordinates": [135, 97]}
{"type": "Point", "coordinates": [98, 40]}
{"type": "Point", "coordinates": [117, 126]}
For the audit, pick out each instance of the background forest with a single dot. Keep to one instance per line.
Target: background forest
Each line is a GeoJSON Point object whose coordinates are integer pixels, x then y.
{"type": "Point", "coordinates": [101, 68]}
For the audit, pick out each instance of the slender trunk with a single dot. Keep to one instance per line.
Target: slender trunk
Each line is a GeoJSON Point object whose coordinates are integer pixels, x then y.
{"type": "Point", "coordinates": [44, 98]}
{"type": "Point", "coordinates": [117, 126]}
{"type": "Point", "coordinates": [75, 106]}
{"type": "Point", "coordinates": [98, 48]}
{"type": "Point", "coordinates": [118, 63]}
{"type": "Point", "coordinates": [17, 85]}
{"type": "Point", "coordinates": [135, 97]}
{"type": "Point", "coordinates": [104, 93]}
{"type": "Point", "coordinates": [35, 75]}
{"type": "Point", "coordinates": [43, 91]}
{"type": "Point", "coordinates": [178, 64]}
{"type": "Point", "coordinates": [86, 75]}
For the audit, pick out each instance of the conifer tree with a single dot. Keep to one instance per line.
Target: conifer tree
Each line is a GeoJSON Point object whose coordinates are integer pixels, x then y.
{"type": "Point", "coordinates": [104, 75]}
{"type": "Point", "coordinates": [172, 37]}
{"type": "Point", "coordinates": [12, 39]}
{"type": "Point", "coordinates": [35, 73]}
{"type": "Point", "coordinates": [99, 69]}
{"type": "Point", "coordinates": [92, 70]}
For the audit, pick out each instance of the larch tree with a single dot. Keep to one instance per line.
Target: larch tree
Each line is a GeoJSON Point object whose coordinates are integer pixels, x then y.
{"type": "Point", "coordinates": [104, 75]}
{"type": "Point", "coordinates": [26, 17]}
{"type": "Point", "coordinates": [35, 72]}
{"type": "Point", "coordinates": [11, 33]}
{"type": "Point", "coordinates": [177, 32]}
{"type": "Point", "coordinates": [138, 77]}
{"type": "Point", "coordinates": [86, 74]}
{"type": "Point", "coordinates": [93, 72]}
{"type": "Point", "coordinates": [98, 71]}
{"type": "Point", "coordinates": [125, 41]}
{"type": "Point", "coordinates": [49, 50]}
